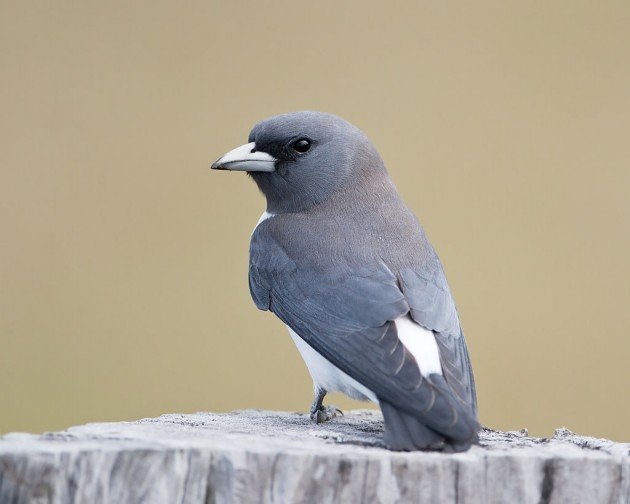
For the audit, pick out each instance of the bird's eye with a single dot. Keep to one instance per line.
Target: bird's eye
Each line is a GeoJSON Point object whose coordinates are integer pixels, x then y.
{"type": "Point", "coordinates": [301, 145]}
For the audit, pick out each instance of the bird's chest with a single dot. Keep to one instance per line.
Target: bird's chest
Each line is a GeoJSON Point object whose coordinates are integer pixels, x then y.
{"type": "Point", "coordinates": [329, 377]}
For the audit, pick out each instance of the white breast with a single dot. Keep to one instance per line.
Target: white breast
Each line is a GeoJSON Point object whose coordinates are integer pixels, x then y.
{"type": "Point", "coordinates": [266, 215]}
{"type": "Point", "coordinates": [420, 342]}
{"type": "Point", "coordinates": [329, 377]}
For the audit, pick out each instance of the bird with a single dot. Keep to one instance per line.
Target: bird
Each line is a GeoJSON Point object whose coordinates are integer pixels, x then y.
{"type": "Point", "coordinates": [345, 264]}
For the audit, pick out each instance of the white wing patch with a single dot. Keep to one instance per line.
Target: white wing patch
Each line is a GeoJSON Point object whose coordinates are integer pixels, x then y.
{"type": "Point", "coordinates": [420, 342]}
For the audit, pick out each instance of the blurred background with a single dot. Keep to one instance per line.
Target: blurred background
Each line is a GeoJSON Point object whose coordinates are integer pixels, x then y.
{"type": "Point", "coordinates": [123, 259]}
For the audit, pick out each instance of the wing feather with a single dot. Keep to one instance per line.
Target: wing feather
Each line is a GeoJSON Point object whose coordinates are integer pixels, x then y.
{"type": "Point", "coordinates": [346, 314]}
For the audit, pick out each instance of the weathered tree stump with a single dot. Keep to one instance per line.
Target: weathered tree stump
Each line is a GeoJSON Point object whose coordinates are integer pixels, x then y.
{"type": "Point", "coordinates": [262, 456]}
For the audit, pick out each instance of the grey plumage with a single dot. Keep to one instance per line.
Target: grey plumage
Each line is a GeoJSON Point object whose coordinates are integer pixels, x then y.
{"type": "Point", "coordinates": [341, 260]}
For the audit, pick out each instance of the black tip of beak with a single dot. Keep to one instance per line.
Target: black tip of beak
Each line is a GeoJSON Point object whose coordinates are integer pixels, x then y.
{"type": "Point", "coordinates": [217, 166]}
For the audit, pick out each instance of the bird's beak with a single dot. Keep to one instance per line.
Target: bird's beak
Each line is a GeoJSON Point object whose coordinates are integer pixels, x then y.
{"type": "Point", "coordinates": [246, 158]}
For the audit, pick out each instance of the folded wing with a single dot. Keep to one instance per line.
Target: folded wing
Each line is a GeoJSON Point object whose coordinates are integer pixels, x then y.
{"type": "Point", "coordinates": [346, 314]}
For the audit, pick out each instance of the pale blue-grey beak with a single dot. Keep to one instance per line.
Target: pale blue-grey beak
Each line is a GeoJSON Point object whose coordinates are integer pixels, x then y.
{"type": "Point", "coordinates": [246, 158]}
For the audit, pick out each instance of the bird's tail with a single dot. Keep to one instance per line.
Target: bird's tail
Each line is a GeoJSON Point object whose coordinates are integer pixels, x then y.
{"type": "Point", "coordinates": [450, 426]}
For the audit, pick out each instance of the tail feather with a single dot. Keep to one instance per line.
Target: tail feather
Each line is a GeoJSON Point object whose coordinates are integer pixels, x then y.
{"type": "Point", "coordinates": [406, 433]}
{"type": "Point", "coordinates": [448, 426]}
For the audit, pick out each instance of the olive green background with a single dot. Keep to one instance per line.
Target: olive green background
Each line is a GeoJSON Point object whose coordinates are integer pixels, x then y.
{"type": "Point", "coordinates": [123, 258]}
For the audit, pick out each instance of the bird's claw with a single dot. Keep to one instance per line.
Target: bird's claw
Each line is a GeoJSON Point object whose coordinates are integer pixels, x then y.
{"type": "Point", "coordinates": [325, 414]}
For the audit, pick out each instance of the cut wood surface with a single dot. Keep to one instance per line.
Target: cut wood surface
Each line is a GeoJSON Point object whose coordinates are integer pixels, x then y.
{"type": "Point", "coordinates": [265, 456]}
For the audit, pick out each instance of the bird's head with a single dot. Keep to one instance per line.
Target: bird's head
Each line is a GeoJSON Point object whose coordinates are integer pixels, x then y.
{"type": "Point", "coordinates": [300, 159]}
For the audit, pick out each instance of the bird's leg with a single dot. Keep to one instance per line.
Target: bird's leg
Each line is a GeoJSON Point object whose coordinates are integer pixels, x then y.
{"type": "Point", "coordinates": [319, 412]}
{"type": "Point", "coordinates": [317, 405]}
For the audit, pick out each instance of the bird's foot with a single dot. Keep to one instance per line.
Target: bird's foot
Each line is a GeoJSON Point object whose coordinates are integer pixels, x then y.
{"type": "Point", "coordinates": [325, 414]}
